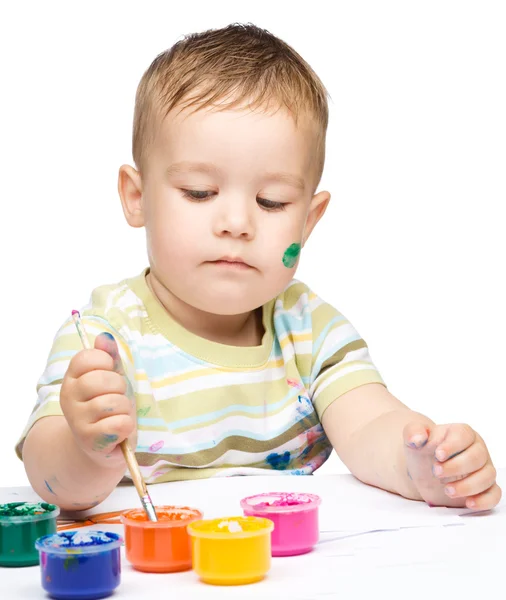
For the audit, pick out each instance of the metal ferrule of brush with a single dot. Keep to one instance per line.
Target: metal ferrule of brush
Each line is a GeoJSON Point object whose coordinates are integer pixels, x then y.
{"type": "Point", "coordinates": [149, 508]}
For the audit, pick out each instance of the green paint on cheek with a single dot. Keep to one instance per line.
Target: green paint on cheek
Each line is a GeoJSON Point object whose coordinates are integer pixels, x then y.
{"type": "Point", "coordinates": [104, 440]}
{"type": "Point", "coordinates": [291, 254]}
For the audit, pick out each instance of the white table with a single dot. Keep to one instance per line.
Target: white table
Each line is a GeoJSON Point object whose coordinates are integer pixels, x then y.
{"type": "Point", "coordinates": [419, 552]}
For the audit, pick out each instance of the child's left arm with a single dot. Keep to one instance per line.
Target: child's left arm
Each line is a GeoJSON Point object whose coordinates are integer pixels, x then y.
{"type": "Point", "coordinates": [387, 445]}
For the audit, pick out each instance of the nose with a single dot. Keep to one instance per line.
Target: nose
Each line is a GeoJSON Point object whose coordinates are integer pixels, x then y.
{"type": "Point", "coordinates": [234, 218]}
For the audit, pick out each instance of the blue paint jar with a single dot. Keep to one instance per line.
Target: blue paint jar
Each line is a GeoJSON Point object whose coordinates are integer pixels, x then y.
{"type": "Point", "coordinates": [80, 565]}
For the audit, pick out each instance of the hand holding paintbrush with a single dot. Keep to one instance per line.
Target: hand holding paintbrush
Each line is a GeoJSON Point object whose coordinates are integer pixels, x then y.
{"type": "Point", "coordinates": [128, 454]}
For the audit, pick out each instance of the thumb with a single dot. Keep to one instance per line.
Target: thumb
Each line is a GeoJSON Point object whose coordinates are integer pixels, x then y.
{"type": "Point", "coordinates": [416, 434]}
{"type": "Point", "coordinates": [106, 342]}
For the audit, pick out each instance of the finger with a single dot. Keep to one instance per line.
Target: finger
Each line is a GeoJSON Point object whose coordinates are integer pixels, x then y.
{"type": "Point", "coordinates": [476, 483]}
{"type": "Point", "coordinates": [106, 342]}
{"type": "Point", "coordinates": [464, 463]}
{"type": "Point", "coordinates": [108, 405]}
{"type": "Point", "coordinates": [89, 360]}
{"type": "Point", "coordinates": [486, 500]}
{"type": "Point", "coordinates": [416, 435]}
{"type": "Point", "coordinates": [445, 480]}
{"type": "Point", "coordinates": [458, 438]}
{"type": "Point", "coordinates": [419, 435]}
{"type": "Point", "coordinates": [104, 435]}
{"type": "Point", "coordinates": [99, 383]}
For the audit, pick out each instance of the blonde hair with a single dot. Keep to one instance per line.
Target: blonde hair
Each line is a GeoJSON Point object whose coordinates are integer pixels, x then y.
{"type": "Point", "coordinates": [237, 64]}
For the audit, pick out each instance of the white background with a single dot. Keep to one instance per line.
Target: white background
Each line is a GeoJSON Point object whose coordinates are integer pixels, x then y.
{"type": "Point", "coordinates": [411, 249]}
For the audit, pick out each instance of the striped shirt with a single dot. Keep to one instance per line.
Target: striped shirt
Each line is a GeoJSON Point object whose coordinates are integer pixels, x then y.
{"type": "Point", "coordinates": [208, 409]}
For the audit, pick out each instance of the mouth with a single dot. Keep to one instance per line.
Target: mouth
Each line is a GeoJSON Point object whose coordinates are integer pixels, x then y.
{"type": "Point", "coordinates": [231, 262]}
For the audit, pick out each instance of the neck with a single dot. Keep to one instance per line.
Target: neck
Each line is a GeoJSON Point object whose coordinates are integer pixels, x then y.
{"type": "Point", "coordinates": [245, 329]}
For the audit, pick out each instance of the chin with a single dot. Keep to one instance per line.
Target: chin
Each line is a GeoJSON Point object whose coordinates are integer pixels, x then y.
{"type": "Point", "coordinates": [226, 307]}
{"type": "Point", "coordinates": [225, 302]}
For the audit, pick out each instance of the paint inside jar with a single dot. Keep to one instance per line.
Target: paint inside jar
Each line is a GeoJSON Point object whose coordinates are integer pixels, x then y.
{"type": "Point", "coordinates": [80, 565]}
{"type": "Point", "coordinates": [21, 523]}
{"type": "Point", "coordinates": [295, 518]}
{"type": "Point", "coordinates": [231, 551]}
{"type": "Point", "coordinates": [162, 546]}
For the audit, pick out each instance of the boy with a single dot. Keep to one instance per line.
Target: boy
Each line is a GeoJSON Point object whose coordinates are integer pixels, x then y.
{"type": "Point", "coordinates": [215, 361]}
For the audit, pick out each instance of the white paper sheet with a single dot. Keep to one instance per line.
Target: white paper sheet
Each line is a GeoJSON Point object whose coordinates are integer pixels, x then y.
{"type": "Point", "coordinates": [347, 504]}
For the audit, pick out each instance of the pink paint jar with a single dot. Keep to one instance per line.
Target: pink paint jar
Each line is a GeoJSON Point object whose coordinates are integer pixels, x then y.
{"type": "Point", "coordinates": [295, 518]}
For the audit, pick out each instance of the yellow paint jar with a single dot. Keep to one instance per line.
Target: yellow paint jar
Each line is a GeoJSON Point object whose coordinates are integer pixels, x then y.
{"type": "Point", "coordinates": [231, 551]}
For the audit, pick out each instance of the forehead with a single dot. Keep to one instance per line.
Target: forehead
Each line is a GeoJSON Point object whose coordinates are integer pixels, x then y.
{"type": "Point", "coordinates": [240, 138]}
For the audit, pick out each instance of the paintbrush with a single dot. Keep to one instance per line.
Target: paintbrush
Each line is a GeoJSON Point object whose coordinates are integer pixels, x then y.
{"type": "Point", "coordinates": [131, 461]}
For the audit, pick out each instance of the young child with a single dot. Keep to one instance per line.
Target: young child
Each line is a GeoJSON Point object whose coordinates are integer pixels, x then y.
{"type": "Point", "coordinates": [214, 361]}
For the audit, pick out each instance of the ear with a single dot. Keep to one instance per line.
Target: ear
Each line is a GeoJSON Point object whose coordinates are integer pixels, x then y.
{"type": "Point", "coordinates": [130, 192]}
{"type": "Point", "coordinates": [317, 207]}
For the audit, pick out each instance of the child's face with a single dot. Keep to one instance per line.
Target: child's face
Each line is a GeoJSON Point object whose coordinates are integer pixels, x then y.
{"type": "Point", "coordinates": [211, 193]}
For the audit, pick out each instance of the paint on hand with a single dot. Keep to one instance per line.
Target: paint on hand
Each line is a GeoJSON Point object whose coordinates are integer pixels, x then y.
{"type": "Point", "coordinates": [103, 441]}
{"type": "Point", "coordinates": [49, 487]}
{"type": "Point", "coordinates": [25, 509]}
{"type": "Point", "coordinates": [111, 347]}
{"type": "Point", "coordinates": [418, 441]}
{"type": "Point", "coordinates": [291, 255]}
{"type": "Point", "coordinates": [455, 454]}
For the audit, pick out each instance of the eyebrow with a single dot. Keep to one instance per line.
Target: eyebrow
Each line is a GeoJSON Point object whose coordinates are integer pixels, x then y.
{"type": "Point", "coordinates": [192, 167]}
{"type": "Point", "coordinates": [203, 167]}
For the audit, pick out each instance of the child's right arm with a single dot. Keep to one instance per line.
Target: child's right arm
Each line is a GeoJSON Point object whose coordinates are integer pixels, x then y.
{"type": "Point", "coordinates": [75, 461]}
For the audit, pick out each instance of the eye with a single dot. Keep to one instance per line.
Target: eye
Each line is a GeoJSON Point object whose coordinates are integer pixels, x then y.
{"type": "Point", "coordinates": [196, 195]}
{"type": "Point", "coordinates": [270, 204]}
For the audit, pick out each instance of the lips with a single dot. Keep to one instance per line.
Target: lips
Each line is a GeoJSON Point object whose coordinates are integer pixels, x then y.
{"type": "Point", "coordinates": [232, 261]}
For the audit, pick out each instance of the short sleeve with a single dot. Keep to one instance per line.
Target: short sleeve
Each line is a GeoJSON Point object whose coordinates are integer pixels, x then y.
{"type": "Point", "coordinates": [66, 344]}
{"type": "Point", "coordinates": [340, 357]}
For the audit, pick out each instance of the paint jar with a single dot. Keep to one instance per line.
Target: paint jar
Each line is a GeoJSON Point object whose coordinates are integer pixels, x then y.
{"type": "Point", "coordinates": [231, 551]}
{"type": "Point", "coordinates": [295, 518]}
{"type": "Point", "coordinates": [80, 565]}
{"type": "Point", "coordinates": [21, 523]}
{"type": "Point", "coordinates": [161, 546]}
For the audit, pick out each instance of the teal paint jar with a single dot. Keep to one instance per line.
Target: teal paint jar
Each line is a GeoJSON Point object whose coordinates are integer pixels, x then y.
{"type": "Point", "coordinates": [21, 523]}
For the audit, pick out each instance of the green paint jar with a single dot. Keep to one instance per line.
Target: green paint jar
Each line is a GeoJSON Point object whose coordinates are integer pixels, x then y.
{"type": "Point", "coordinates": [21, 523]}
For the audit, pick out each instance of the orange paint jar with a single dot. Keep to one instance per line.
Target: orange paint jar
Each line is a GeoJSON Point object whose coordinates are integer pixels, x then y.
{"type": "Point", "coordinates": [162, 546]}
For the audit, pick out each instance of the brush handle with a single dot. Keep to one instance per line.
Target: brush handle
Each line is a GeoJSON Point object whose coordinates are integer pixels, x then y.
{"type": "Point", "coordinates": [139, 483]}
{"type": "Point", "coordinates": [131, 461]}
{"type": "Point", "coordinates": [133, 467]}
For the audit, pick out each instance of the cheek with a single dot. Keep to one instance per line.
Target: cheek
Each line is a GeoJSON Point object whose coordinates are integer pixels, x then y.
{"type": "Point", "coordinates": [275, 238]}
{"type": "Point", "coordinates": [172, 236]}
{"type": "Point", "coordinates": [174, 244]}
